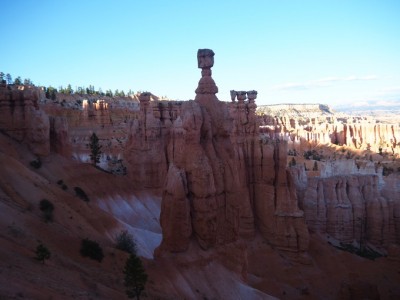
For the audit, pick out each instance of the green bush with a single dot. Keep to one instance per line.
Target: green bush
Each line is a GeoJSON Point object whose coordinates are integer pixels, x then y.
{"type": "Point", "coordinates": [37, 163]}
{"type": "Point", "coordinates": [124, 241]}
{"type": "Point", "coordinates": [91, 249]}
{"type": "Point", "coordinates": [42, 253]}
{"type": "Point", "coordinates": [47, 208]}
{"type": "Point", "coordinates": [81, 194]}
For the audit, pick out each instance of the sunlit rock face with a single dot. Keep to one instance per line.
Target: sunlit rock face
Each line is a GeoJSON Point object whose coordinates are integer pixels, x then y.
{"type": "Point", "coordinates": [302, 124]}
{"type": "Point", "coordinates": [220, 181]}
{"type": "Point", "coordinates": [21, 118]}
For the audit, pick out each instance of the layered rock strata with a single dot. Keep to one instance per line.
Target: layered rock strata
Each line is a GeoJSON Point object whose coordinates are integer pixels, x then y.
{"type": "Point", "coordinates": [221, 182]}
{"type": "Point", "coordinates": [349, 208]}
{"type": "Point", "coordinates": [317, 123]}
{"type": "Point", "coordinates": [22, 119]}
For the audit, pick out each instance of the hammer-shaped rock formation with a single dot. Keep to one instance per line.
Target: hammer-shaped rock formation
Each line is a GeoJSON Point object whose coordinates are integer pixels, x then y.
{"type": "Point", "coordinates": [221, 182]}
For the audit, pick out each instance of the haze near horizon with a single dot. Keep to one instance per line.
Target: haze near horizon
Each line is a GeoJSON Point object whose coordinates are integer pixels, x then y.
{"type": "Point", "coordinates": [342, 53]}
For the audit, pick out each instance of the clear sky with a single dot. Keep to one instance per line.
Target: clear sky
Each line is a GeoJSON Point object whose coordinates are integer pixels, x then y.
{"type": "Point", "coordinates": [333, 52]}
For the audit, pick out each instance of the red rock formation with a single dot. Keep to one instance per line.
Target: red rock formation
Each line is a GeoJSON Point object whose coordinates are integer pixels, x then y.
{"type": "Point", "coordinates": [317, 123]}
{"type": "Point", "coordinates": [59, 136]}
{"type": "Point", "coordinates": [22, 119]}
{"type": "Point", "coordinates": [350, 208]}
{"type": "Point", "coordinates": [222, 181]}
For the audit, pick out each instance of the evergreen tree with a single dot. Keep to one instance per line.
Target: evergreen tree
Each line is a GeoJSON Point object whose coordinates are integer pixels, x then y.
{"type": "Point", "coordinates": [95, 149]}
{"type": "Point", "coordinates": [18, 80]}
{"type": "Point", "coordinates": [8, 78]}
{"type": "Point", "coordinates": [47, 93]}
{"type": "Point", "coordinates": [27, 81]}
{"type": "Point", "coordinates": [53, 94]}
{"type": "Point", "coordinates": [135, 277]}
{"type": "Point", "coordinates": [1, 76]}
{"type": "Point", "coordinates": [69, 90]}
{"type": "Point", "coordinates": [109, 93]}
{"type": "Point", "coordinates": [42, 253]}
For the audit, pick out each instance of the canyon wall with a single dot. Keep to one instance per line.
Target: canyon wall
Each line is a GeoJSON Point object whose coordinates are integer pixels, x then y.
{"type": "Point", "coordinates": [349, 208]}
{"type": "Point", "coordinates": [316, 123]}
{"type": "Point", "coordinates": [23, 120]}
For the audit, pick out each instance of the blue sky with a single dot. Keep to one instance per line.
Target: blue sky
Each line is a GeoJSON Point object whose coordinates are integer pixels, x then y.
{"type": "Point", "coordinates": [333, 52]}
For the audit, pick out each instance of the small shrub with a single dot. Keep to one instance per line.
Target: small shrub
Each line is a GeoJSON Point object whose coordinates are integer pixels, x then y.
{"type": "Point", "coordinates": [293, 162]}
{"type": "Point", "coordinates": [37, 163]}
{"type": "Point", "coordinates": [47, 208]}
{"type": "Point", "coordinates": [81, 194]}
{"type": "Point", "coordinates": [387, 171]}
{"type": "Point", "coordinates": [60, 182]}
{"type": "Point", "coordinates": [42, 253]}
{"type": "Point", "coordinates": [91, 249]}
{"type": "Point", "coordinates": [64, 187]}
{"type": "Point", "coordinates": [124, 241]}
{"type": "Point", "coordinates": [312, 154]}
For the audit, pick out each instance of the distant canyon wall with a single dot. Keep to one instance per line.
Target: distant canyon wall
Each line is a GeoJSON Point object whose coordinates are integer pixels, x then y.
{"type": "Point", "coordinates": [318, 124]}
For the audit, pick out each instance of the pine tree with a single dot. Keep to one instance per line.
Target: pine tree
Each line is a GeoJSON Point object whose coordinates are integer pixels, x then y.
{"type": "Point", "coordinates": [47, 93]}
{"type": "Point", "coordinates": [53, 94]}
{"type": "Point", "coordinates": [109, 93]}
{"type": "Point", "coordinates": [42, 253]}
{"type": "Point", "coordinates": [69, 90]}
{"type": "Point", "coordinates": [1, 76]}
{"type": "Point", "coordinates": [18, 80]}
{"type": "Point", "coordinates": [27, 81]}
{"type": "Point", "coordinates": [9, 78]}
{"type": "Point", "coordinates": [95, 149]}
{"type": "Point", "coordinates": [135, 277]}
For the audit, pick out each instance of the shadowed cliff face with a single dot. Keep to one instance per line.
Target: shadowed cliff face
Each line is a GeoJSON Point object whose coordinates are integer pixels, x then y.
{"type": "Point", "coordinates": [349, 208]}
{"type": "Point", "coordinates": [22, 119]}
